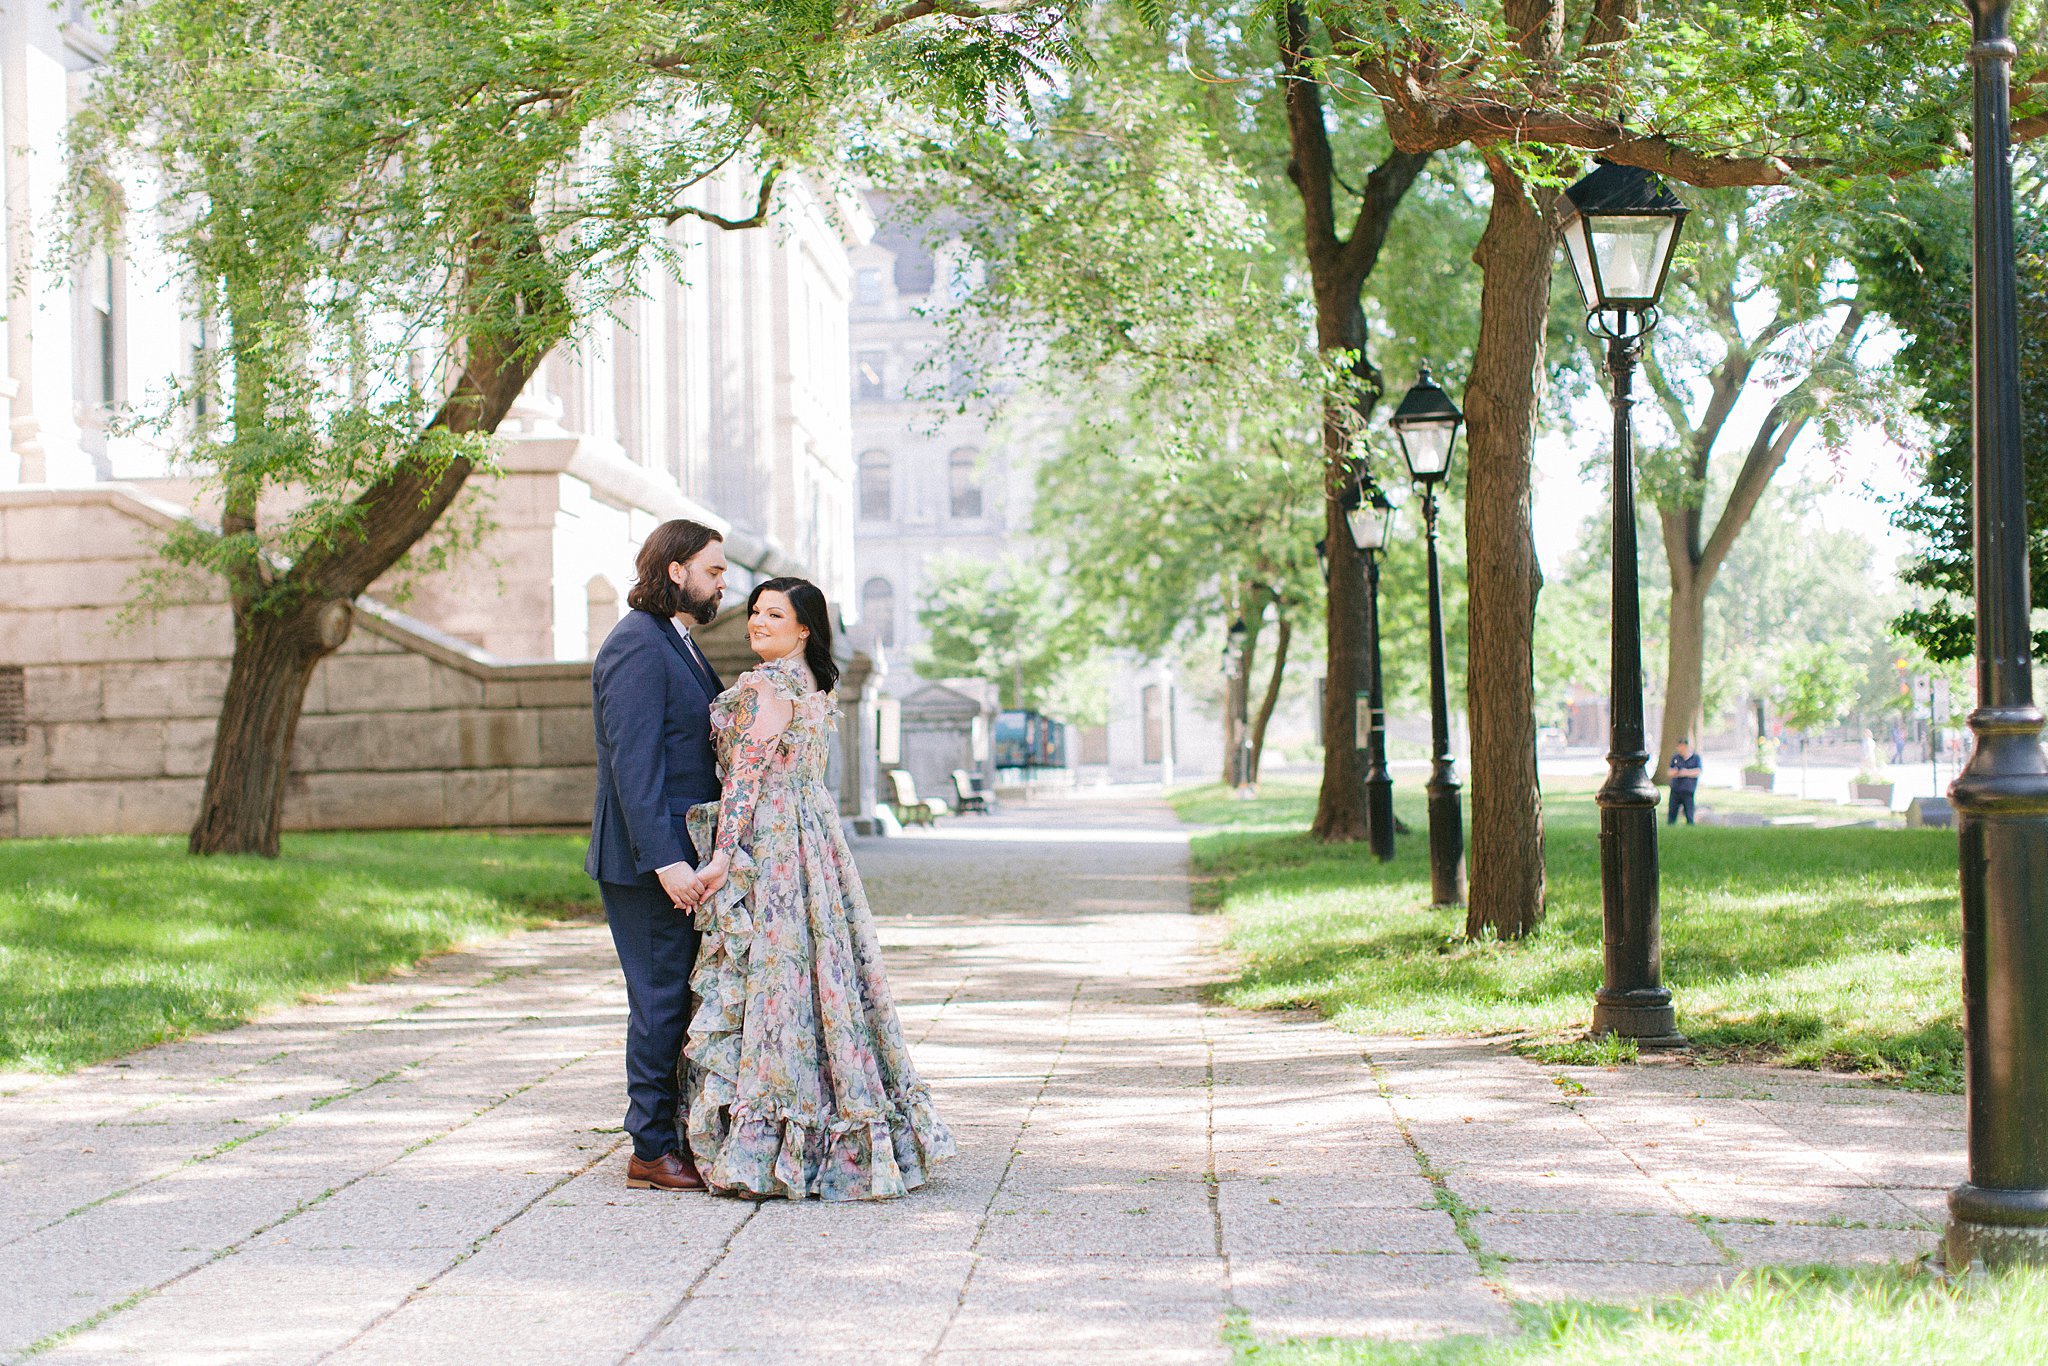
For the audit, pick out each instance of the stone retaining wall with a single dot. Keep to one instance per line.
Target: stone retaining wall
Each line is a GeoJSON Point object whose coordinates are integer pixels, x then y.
{"type": "Point", "coordinates": [110, 730]}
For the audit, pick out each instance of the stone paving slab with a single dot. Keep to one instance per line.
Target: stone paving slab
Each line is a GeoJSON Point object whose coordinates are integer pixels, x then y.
{"type": "Point", "coordinates": [429, 1169]}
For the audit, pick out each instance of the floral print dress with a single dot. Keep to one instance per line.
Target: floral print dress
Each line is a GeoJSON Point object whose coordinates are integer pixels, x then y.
{"type": "Point", "coordinates": [798, 1080]}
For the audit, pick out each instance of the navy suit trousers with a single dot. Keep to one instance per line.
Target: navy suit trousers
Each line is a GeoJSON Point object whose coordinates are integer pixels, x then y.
{"type": "Point", "coordinates": [657, 947]}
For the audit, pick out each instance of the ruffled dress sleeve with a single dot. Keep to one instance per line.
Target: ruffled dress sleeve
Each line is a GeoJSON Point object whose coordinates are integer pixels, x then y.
{"type": "Point", "coordinates": [748, 752]}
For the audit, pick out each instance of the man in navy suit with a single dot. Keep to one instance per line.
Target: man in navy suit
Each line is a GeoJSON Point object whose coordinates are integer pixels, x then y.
{"type": "Point", "coordinates": [651, 692]}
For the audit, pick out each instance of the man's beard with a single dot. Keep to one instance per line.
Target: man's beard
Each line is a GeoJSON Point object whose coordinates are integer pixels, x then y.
{"type": "Point", "coordinates": [702, 610]}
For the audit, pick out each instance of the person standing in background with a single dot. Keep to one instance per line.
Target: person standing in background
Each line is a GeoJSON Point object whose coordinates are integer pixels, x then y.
{"type": "Point", "coordinates": [1685, 767]}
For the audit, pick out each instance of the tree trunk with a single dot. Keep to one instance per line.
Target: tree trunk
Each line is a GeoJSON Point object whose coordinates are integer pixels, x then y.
{"type": "Point", "coordinates": [277, 649]}
{"type": "Point", "coordinates": [1224, 775]}
{"type": "Point", "coordinates": [1694, 563]}
{"type": "Point", "coordinates": [1338, 269]}
{"type": "Point", "coordinates": [1237, 690]}
{"type": "Point", "coordinates": [1340, 803]}
{"type": "Point", "coordinates": [1272, 697]}
{"type": "Point", "coordinates": [274, 659]}
{"type": "Point", "coordinates": [1505, 894]}
{"type": "Point", "coordinates": [1684, 667]}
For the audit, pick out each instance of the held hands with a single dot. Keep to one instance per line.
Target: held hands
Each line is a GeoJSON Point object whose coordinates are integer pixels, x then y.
{"type": "Point", "coordinates": [714, 873]}
{"type": "Point", "coordinates": [684, 886]}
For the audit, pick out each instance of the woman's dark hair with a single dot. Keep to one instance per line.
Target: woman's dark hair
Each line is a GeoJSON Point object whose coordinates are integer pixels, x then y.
{"type": "Point", "coordinates": [675, 542]}
{"type": "Point", "coordinates": [812, 614]}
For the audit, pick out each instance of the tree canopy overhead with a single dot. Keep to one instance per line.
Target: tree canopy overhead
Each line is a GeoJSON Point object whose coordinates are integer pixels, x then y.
{"type": "Point", "coordinates": [1745, 92]}
{"type": "Point", "coordinates": [388, 211]}
{"type": "Point", "coordinates": [392, 210]}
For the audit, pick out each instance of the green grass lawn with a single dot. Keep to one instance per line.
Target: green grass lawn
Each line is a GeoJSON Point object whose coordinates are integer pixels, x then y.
{"type": "Point", "coordinates": [1811, 947]}
{"type": "Point", "coordinates": [1815, 1316]}
{"type": "Point", "coordinates": [108, 945]}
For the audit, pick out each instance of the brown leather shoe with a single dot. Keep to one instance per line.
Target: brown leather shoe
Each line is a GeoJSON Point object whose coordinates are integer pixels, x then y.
{"type": "Point", "coordinates": [669, 1172]}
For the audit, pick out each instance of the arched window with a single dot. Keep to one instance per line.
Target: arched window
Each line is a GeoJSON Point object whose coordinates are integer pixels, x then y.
{"type": "Point", "coordinates": [874, 487]}
{"type": "Point", "coordinates": [878, 609]}
{"type": "Point", "coordinates": [963, 475]}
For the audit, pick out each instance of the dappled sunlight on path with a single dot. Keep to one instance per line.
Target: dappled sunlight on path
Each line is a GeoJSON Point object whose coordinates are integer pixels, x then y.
{"type": "Point", "coordinates": [429, 1169]}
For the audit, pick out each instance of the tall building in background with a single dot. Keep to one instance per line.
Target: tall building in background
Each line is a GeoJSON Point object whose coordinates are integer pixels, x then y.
{"type": "Point", "coordinates": [937, 476]}
{"type": "Point", "coordinates": [930, 481]}
{"type": "Point", "coordinates": [720, 392]}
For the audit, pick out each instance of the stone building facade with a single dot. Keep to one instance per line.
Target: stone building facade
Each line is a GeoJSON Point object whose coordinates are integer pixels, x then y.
{"type": "Point", "coordinates": [719, 392]}
{"type": "Point", "coordinates": [106, 723]}
{"type": "Point", "coordinates": [936, 477]}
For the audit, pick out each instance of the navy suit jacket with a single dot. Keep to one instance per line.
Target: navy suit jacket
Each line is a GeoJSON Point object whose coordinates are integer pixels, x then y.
{"type": "Point", "coordinates": [654, 757]}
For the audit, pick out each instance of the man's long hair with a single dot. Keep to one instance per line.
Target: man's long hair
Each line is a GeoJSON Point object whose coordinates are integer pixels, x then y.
{"type": "Point", "coordinates": [675, 542]}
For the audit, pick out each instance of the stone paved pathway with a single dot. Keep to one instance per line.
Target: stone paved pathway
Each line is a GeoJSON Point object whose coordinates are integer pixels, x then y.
{"type": "Point", "coordinates": [426, 1170]}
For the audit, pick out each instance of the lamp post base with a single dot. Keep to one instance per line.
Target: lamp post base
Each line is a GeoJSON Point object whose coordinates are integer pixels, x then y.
{"type": "Point", "coordinates": [1631, 1002]}
{"type": "Point", "coordinates": [1643, 1015]}
{"type": "Point", "coordinates": [2001, 803]}
{"type": "Point", "coordinates": [1996, 1227]}
{"type": "Point", "coordinates": [1446, 841]}
{"type": "Point", "coordinates": [1379, 815]}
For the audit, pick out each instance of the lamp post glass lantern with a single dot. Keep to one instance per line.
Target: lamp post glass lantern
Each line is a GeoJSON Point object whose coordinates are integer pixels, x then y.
{"type": "Point", "coordinates": [1426, 424]}
{"type": "Point", "coordinates": [2000, 1214]}
{"type": "Point", "coordinates": [1621, 227]}
{"type": "Point", "coordinates": [1370, 516]}
{"type": "Point", "coordinates": [1371, 522]}
{"type": "Point", "coordinates": [1621, 230]}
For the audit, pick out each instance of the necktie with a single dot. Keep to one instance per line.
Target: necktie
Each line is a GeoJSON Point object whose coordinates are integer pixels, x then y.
{"type": "Point", "coordinates": [705, 675]}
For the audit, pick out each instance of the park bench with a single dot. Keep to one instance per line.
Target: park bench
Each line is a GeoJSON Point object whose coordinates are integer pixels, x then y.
{"type": "Point", "coordinates": [906, 805]}
{"type": "Point", "coordinates": [969, 794]}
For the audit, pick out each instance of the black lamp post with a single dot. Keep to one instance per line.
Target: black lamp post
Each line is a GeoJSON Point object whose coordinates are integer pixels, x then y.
{"type": "Point", "coordinates": [2000, 1215]}
{"type": "Point", "coordinates": [1621, 226]}
{"type": "Point", "coordinates": [1426, 424]}
{"type": "Point", "coordinates": [1240, 706]}
{"type": "Point", "coordinates": [1370, 517]}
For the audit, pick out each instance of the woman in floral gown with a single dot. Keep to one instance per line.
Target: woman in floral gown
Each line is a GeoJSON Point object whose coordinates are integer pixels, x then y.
{"type": "Point", "coordinates": [799, 1082]}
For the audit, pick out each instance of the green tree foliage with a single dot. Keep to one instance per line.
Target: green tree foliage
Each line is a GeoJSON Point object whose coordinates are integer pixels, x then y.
{"type": "Point", "coordinates": [1009, 623]}
{"type": "Point", "coordinates": [1127, 264]}
{"type": "Point", "coordinates": [1915, 263]}
{"type": "Point", "coordinates": [1753, 92]}
{"type": "Point", "coordinates": [355, 188]}
{"type": "Point", "coordinates": [1740, 93]}
{"type": "Point", "coordinates": [388, 213]}
{"type": "Point", "coordinates": [1229, 534]}
{"type": "Point", "coordinates": [1143, 251]}
{"type": "Point", "coordinates": [1165, 546]}
{"type": "Point", "coordinates": [1803, 585]}
{"type": "Point", "coordinates": [1124, 258]}
{"type": "Point", "coordinates": [1817, 688]}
